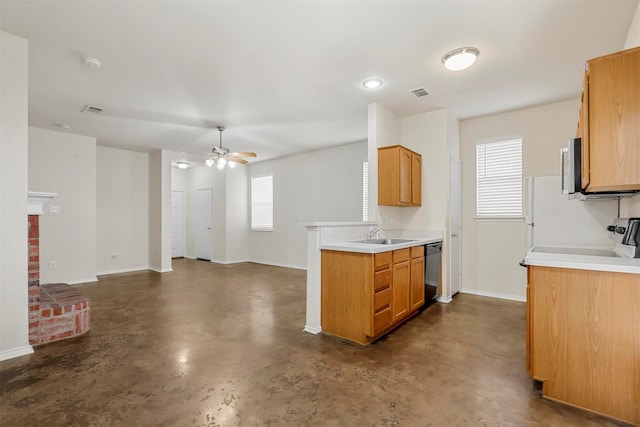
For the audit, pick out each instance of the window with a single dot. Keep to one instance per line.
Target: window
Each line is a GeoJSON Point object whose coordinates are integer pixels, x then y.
{"type": "Point", "coordinates": [365, 191]}
{"type": "Point", "coordinates": [499, 178]}
{"type": "Point", "coordinates": [262, 203]}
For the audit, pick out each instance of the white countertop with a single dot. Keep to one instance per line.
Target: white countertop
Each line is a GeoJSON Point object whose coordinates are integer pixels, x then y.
{"type": "Point", "coordinates": [583, 262]}
{"type": "Point", "coordinates": [372, 248]}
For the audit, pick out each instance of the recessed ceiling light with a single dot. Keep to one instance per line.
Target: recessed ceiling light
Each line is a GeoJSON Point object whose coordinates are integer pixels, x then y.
{"type": "Point", "coordinates": [372, 83]}
{"type": "Point", "coordinates": [91, 62]}
{"type": "Point", "coordinates": [460, 59]}
{"type": "Point", "coordinates": [182, 165]}
{"type": "Point", "coordinates": [63, 126]}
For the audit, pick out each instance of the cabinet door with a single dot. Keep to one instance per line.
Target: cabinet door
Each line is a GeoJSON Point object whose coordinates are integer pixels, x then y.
{"type": "Point", "coordinates": [614, 108]}
{"type": "Point", "coordinates": [405, 176]}
{"type": "Point", "coordinates": [584, 130]}
{"type": "Point", "coordinates": [400, 287]}
{"type": "Point", "coordinates": [416, 179]}
{"type": "Point", "coordinates": [417, 283]}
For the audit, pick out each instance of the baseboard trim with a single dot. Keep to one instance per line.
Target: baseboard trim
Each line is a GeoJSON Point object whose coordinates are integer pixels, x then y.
{"type": "Point", "coordinates": [81, 281]}
{"type": "Point", "coordinates": [315, 330]}
{"type": "Point", "coordinates": [493, 295]}
{"type": "Point", "coordinates": [159, 270]}
{"type": "Point", "coordinates": [15, 352]}
{"type": "Point", "coordinates": [123, 270]}
{"type": "Point", "coordinates": [219, 261]}
{"type": "Point", "coordinates": [276, 264]}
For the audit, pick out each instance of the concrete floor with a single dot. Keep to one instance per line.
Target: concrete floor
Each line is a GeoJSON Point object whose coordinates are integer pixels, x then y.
{"type": "Point", "coordinates": [213, 345]}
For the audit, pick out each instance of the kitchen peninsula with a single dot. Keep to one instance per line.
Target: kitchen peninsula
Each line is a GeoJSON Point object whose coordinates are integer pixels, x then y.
{"type": "Point", "coordinates": [345, 240]}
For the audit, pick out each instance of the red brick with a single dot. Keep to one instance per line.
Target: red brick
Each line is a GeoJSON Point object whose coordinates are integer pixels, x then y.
{"type": "Point", "coordinates": [46, 312]}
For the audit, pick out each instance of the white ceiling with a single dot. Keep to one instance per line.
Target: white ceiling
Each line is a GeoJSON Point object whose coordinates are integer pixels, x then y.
{"type": "Point", "coordinates": [285, 77]}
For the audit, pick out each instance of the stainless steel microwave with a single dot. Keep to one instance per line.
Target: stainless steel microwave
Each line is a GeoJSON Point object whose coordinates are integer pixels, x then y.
{"type": "Point", "coordinates": [571, 178]}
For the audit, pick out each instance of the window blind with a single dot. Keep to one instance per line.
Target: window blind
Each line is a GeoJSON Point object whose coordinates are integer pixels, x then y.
{"type": "Point", "coordinates": [262, 203]}
{"type": "Point", "coordinates": [499, 178]}
{"type": "Point", "coordinates": [365, 191]}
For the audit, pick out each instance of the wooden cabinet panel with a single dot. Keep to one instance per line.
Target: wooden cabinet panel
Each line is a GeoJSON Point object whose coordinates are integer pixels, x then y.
{"type": "Point", "coordinates": [400, 278]}
{"type": "Point", "coordinates": [366, 295]}
{"type": "Point", "coordinates": [610, 125]}
{"type": "Point", "coordinates": [382, 279]}
{"type": "Point", "coordinates": [417, 283]}
{"type": "Point", "coordinates": [383, 260]}
{"type": "Point", "coordinates": [399, 176]}
{"type": "Point", "coordinates": [584, 130]}
{"type": "Point", "coordinates": [584, 338]}
{"type": "Point", "coordinates": [416, 179]}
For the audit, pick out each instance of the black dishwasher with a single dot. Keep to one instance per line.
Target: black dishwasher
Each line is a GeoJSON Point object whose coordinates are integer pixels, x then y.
{"type": "Point", "coordinates": [432, 266]}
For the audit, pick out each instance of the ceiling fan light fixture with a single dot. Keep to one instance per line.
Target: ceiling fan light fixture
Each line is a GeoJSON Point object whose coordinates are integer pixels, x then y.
{"type": "Point", "coordinates": [372, 83]}
{"type": "Point", "coordinates": [182, 165]}
{"type": "Point", "coordinates": [221, 163]}
{"type": "Point", "coordinates": [460, 59]}
{"type": "Point", "coordinates": [231, 164]}
{"type": "Point", "coordinates": [209, 162]}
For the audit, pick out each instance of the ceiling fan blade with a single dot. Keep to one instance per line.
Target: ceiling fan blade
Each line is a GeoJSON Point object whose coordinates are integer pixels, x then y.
{"type": "Point", "coordinates": [242, 154]}
{"type": "Point", "coordinates": [237, 160]}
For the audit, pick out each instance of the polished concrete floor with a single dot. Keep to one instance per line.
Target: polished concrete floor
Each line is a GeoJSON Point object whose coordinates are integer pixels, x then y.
{"type": "Point", "coordinates": [213, 345]}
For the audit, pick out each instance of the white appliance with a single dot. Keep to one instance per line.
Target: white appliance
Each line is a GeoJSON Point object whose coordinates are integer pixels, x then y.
{"type": "Point", "coordinates": [553, 220]}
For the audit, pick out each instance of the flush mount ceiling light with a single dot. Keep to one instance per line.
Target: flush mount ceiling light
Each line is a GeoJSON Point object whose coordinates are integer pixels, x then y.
{"type": "Point", "coordinates": [460, 59]}
{"type": "Point", "coordinates": [91, 62]}
{"type": "Point", "coordinates": [372, 83]}
{"type": "Point", "coordinates": [182, 165]}
{"type": "Point", "coordinates": [63, 125]}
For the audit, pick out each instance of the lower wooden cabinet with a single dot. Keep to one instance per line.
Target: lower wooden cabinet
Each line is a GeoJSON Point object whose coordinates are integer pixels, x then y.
{"type": "Point", "coordinates": [366, 295]}
{"type": "Point", "coordinates": [583, 339]}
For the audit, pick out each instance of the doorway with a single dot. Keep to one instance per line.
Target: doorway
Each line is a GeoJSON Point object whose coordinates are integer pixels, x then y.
{"type": "Point", "coordinates": [177, 224]}
{"type": "Point", "coordinates": [204, 223]}
{"type": "Point", "coordinates": [454, 225]}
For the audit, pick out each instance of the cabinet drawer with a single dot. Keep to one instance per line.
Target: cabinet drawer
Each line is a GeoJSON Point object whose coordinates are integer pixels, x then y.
{"type": "Point", "coordinates": [417, 251]}
{"type": "Point", "coordinates": [382, 320]}
{"type": "Point", "coordinates": [382, 280]}
{"type": "Point", "coordinates": [382, 260]}
{"type": "Point", "coordinates": [382, 299]}
{"type": "Point", "coordinates": [401, 255]}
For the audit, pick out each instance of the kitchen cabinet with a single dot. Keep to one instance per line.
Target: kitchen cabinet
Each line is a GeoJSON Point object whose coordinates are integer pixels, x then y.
{"type": "Point", "coordinates": [417, 277]}
{"type": "Point", "coordinates": [399, 176]}
{"type": "Point", "coordinates": [583, 338]}
{"type": "Point", "coordinates": [608, 122]}
{"type": "Point", "coordinates": [366, 295]}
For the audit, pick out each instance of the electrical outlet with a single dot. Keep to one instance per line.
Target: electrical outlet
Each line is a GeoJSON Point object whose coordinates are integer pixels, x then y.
{"type": "Point", "coordinates": [54, 209]}
{"type": "Point", "coordinates": [53, 265]}
{"type": "Point", "coordinates": [115, 256]}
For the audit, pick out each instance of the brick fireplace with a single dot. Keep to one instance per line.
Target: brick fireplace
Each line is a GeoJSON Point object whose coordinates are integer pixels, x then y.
{"type": "Point", "coordinates": [56, 311]}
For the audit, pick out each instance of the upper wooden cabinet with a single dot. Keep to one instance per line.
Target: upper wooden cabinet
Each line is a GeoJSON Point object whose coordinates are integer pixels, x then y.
{"type": "Point", "coordinates": [610, 122]}
{"type": "Point", "coordinates": [399, 176]}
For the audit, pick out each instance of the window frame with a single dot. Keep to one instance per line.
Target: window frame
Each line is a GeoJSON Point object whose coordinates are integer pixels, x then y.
{"type": "Point", "coordinates": [507, 215]}
{"type": "Point", "coordinates": [270, 204]}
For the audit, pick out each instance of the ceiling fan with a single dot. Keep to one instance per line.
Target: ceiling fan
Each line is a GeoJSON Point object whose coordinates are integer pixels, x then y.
{"type": "Point", "coordinates": [224, 157]}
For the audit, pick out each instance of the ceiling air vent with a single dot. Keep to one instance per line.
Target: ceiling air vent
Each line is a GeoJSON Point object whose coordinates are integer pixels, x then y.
{"type": "Point", "coordinates": [90, 109]}
{"type": "Point", "coordinates": [419, 92]}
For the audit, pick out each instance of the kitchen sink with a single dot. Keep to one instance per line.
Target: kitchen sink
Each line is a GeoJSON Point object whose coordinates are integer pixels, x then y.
{"type": "Point", "coordinates": [385, 241]}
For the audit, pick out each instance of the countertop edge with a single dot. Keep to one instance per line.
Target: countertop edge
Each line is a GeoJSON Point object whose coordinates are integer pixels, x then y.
{"type": "Point", "coordinates": [620, 266]}
{"type": "Point", "coordinates": [369, 248]}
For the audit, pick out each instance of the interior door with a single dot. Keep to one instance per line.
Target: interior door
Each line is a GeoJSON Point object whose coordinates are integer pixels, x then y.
{"type": "Point", "coordinates": [204, 224]}
{"type": "Point", "coordinates": [177, 224]}
{"type": "Point", "coordinates": [454, 225]}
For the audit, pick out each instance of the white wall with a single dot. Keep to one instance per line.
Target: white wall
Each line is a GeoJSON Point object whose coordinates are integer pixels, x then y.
{"type": "Point", "coordinates": [237, 214]}
{"type": "Point", "coordinates": [491, 249]}
{"type": "Point", "coordinates": [65, 163]}
{"type": "Point", "coordinates": [633, 35]}
{"type": "Point", "coordinates": [14, 317]}
{"type": "Point", "coordinates": [323, 185]}
{"type": "Point", "coordinates": [631, 207]}
{"type": "Point", "coordinates": [122, 219]}
{"type": "Point", "coordinates": [160, 211]}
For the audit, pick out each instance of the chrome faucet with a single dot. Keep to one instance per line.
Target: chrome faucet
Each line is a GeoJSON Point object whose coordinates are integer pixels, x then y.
{"type": "Point", "coordinates": [373, 232]}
